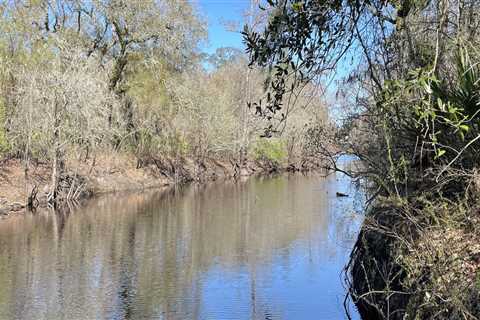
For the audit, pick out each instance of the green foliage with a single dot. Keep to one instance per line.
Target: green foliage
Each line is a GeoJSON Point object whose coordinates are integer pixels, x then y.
{"type": "Point", "coordinates": [145, 81]}
{"type": "Point", "coordinates": [272, 150]}
{"type": "Point", "coordinates": [428, 125]}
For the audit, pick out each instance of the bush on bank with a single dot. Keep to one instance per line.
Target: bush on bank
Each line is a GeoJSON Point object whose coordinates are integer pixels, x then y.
{"type": "Point", "coordinates": [418, 254]}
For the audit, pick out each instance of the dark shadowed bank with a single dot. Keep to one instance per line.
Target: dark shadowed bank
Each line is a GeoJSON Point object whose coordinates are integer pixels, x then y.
{"type": "Point", "coordinates": [418, 259]}
{"type": "Point", "coordinates": [406, 268]}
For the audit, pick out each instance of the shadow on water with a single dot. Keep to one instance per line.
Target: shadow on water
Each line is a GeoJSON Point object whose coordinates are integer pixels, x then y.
{"type": "Point", "coordinates": [259, 249]}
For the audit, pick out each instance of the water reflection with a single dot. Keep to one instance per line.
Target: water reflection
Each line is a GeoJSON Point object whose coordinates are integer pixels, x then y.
{"type": "Point", "coordinates": [261, 249]}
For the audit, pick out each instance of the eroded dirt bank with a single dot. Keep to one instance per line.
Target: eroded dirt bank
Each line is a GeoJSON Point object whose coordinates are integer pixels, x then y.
{"type": "Point", "coordinates": [106, 174]}
{"type": "Point", "coordinates": [418, 263]}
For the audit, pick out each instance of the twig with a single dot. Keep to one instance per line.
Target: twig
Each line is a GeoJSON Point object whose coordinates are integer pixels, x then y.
{"type": "Point", "coordinates": [456, 157]}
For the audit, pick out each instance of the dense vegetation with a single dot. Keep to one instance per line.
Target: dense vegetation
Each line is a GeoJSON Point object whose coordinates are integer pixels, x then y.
{"type": "Point", "coordinates": [79, 79]}
{"type": "Point", "coordinates": [412, 102]}
{"type": "Point", "coordinates": [83, 78]}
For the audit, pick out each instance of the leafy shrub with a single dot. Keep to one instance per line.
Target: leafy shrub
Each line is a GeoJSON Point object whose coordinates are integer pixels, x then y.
{"type": "Point", "coordinates": [272, 150]}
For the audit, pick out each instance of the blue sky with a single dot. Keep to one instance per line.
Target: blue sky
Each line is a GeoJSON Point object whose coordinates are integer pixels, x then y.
{"type": "Point", "coordinates": [216, 11]}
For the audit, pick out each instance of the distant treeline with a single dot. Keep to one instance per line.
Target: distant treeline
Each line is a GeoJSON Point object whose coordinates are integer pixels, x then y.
{"type": "Point", "coordinates": [81, 77]}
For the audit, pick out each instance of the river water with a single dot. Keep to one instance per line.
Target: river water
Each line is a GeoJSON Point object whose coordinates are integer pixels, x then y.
{"type": "Point", "coordinates": [265, 248]}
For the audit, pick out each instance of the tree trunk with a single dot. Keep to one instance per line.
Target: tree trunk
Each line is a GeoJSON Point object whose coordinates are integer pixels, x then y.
{"type": "Point", "coordinates": [56, 157]}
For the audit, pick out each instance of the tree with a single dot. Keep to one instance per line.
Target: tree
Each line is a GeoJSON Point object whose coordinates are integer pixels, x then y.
{"type": "Point", "coordinates": [112, 31]}
{"type": "Point", "coordinates": [67, 52]}
{"type": "Point", "coordinates": [57, 104]}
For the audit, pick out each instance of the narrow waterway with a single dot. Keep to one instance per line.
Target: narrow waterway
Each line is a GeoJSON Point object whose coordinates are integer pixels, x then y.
{"type": "Point", "coordinates": [270, 248]}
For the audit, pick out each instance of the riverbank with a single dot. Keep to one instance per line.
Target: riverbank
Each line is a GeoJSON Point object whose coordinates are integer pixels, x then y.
{"type": "Point", "coordinates": [418, 261]}
{"type": "Point", "coordinates": [119, 172]}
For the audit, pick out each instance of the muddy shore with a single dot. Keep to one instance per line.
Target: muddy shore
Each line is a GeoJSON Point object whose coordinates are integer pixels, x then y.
{"type": "Point", "coordinates": [109, 174]}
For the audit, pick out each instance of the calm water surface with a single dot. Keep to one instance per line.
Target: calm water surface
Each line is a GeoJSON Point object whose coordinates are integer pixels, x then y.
{"type": "Point", "coordinates": [261, 249]}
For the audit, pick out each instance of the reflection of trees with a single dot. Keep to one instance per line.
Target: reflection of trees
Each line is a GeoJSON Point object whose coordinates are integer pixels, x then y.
{"type": "Point", "coordinates": [147, 255]}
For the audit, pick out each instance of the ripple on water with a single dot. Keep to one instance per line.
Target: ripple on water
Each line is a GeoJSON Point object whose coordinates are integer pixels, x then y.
{"type": "Point", "coordinates": [260, 249]}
